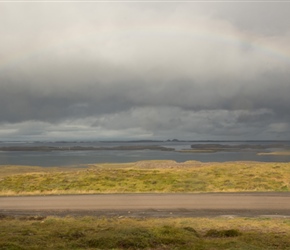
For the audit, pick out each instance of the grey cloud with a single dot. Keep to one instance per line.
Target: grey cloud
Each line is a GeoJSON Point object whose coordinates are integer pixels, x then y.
{"type": "Point", "coordinates": [256, 117]}
{"type": "Point", "coordinates": [144, 69]}
{"type": "Point", "coordinates": [263, 17]}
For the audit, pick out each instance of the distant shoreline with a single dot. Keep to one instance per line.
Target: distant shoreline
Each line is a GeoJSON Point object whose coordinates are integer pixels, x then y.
{"type": "Point", "coordinates": [276, 153]}
{"type": "Point", "coordinates": [195, 148]}
{"type": "Point", "coordinates": [81, 148]}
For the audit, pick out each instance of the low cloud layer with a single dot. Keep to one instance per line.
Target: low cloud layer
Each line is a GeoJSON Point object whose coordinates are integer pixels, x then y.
{"type": "Point", "coordinates": [144, 71]}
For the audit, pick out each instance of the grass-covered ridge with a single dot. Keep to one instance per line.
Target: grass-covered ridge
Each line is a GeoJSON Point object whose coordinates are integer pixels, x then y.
{"type": "Point", "coordinates": [148, 176]}
{"type": "Point", "coordinates": [125, 233]}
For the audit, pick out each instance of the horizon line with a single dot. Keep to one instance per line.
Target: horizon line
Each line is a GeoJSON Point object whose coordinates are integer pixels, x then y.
{"type": "Point", "coordinates": [145, 1]}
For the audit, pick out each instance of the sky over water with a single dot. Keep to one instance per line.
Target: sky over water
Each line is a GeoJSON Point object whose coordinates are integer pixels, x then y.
{"type": "Point", "coordinates": [144, 70]}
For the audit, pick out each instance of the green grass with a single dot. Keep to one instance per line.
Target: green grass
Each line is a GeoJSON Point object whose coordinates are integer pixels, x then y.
{"type": "Point", "coordinates": [127, 233]}
{"type": "Point", "coordinates": [163, 176]}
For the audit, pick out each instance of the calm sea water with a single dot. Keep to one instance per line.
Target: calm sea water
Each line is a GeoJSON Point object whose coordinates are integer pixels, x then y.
{"type": "Point", "coordinates": [67, 158]}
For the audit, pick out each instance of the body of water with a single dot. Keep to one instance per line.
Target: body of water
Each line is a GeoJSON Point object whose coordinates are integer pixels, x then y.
{"type": "Point", "coordinates": [68, 158]}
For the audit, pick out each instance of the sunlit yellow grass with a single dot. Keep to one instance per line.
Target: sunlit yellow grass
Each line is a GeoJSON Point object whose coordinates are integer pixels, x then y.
{"type": "Point", "coordinates": [147, 176]}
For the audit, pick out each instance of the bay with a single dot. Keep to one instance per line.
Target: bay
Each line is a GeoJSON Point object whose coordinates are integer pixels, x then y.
{"type": "Point", "coordinates": [83, 157]}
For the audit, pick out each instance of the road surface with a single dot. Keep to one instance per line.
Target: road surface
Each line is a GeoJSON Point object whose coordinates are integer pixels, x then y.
{"type": "Point", "coordinates": [156, 205]}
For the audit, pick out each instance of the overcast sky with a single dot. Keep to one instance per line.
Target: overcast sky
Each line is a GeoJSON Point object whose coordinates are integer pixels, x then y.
{"type": "Point", "coordinates": [137, 70]}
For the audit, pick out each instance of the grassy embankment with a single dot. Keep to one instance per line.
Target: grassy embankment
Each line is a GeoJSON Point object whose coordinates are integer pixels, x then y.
{"type": "Point", "coordinates": [125, 233]}
{"type": "Point", "coordinates": [148, 176]}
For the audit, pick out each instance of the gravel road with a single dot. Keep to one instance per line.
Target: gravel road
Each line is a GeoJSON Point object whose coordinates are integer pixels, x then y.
{"type": "Point", "coordinates": [151, 205]}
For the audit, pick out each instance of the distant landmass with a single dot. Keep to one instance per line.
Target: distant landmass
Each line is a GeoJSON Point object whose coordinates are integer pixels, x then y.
{"type": "Point", "coordinates": [195, 148]}
{"type": "Point", "coordinates": [80, 148]}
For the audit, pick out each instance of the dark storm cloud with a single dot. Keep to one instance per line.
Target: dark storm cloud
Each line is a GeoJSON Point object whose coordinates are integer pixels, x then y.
{"type": "Point", "coordinates": [20, 102]}
{"type": "Point", "coordinates": [141, 70]}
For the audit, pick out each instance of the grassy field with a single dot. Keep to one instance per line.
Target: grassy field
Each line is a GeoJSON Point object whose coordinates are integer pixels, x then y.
{"type": "Point", "coordinates": [125, 233]}
{"type": "Point", "coordinates": [147, 176]}
{"type": "Point", "coordinates": [33, 232]}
